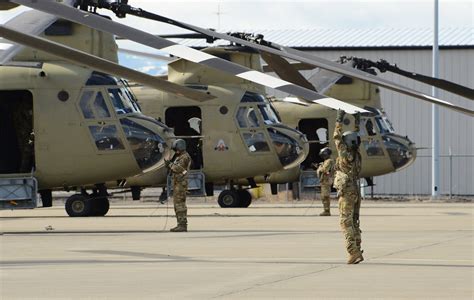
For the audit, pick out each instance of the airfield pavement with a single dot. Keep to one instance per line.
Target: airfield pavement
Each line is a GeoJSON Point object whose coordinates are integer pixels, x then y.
{"type": "Point", "coordinates": [413, 250]}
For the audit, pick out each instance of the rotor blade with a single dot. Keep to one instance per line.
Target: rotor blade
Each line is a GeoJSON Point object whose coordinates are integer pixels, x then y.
{"type": "Point", "coordinates": [296, 65]}
{"type": "Point", "coordinates": [187, 53]}
{"type": "Point", "coordinates": [437, 82]}
{"type": "Point", "coordinates": [147, 55]}
{"type": "Point", "coordinates": [31, 22]}
{"type": "Point", "coordinates": [304, 57]}
{"type": "Point", "coordinates": [285, 70]}
{"type": "Point", "coordinates": [100, 64]}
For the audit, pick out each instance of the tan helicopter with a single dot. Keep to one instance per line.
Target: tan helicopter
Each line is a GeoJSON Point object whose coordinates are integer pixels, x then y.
{"type": "Point", "coordinates": [121, 8]}
{"type": "Point", "coordinates": [88, 128]}
{"type": "Point", "coordinates": [248, 112]}
{"type": "Point", "coordinates": [383, 151]}
{"type": "Point", "coordinates": [94, 108]}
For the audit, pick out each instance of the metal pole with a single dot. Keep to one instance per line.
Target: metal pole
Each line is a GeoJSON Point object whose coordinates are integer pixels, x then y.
{"type": "Point", "coordinates": [450, 174]}
{"type": "Point", "coordinates": [435, 113]}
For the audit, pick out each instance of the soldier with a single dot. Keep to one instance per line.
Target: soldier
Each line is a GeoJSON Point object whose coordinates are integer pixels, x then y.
{"type": "Point", "coordinates": [348, 166]}
{"type": "Point", "coordinates": [325, 173]}
{"type": "Point", "coordinates": [179, 167]}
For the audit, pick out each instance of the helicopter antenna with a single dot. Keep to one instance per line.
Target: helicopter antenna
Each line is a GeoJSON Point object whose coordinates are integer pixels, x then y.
{"type": "Point", "coordinates": [219, 13]}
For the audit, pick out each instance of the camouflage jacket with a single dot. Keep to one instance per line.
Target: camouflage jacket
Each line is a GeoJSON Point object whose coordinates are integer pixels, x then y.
{"type": "Point", "coordinates": [325, 171]}
{"type": "Point", "coordinates": [180, 166]}
{"type": "Point", "coordinates": [348, 162]}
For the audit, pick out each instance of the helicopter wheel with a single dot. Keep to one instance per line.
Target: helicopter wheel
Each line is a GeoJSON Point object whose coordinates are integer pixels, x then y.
{"type": "Point", "coordinates": [228, 198]}
{"type": "Point", "coordinates": [245, 198]}
{"type": "Point", "coordinates": [100, 206]}
{"type": "Point", "coordinates": [79, 205]}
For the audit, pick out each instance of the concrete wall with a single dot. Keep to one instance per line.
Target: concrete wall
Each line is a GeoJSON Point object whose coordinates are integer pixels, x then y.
{"type": "Point", "coordinates": [413, 118]}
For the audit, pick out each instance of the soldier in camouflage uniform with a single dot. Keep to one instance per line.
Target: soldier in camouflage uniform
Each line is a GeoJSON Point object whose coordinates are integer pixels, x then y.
{"type": "Point", "coordinates": [179, 167]}
{"type": "Point", "coordinates": [325, 173]}
{"type": "Point", "coordinates": [348, 166]}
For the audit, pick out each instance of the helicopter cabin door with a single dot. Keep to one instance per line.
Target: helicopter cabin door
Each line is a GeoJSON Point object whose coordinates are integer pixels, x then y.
{"type": "Point", "coordinates": [316, 130]}
{"type": "Point", "coordinates": [16, 132]}
{"type": "Point", "coordinates": [186, 121]}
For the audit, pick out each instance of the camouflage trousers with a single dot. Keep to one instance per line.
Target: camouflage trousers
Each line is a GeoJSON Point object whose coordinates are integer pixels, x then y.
{"type": "Point", "coordinates": [325, 196]}
{"type": "Point", "coordinates": [179, 201]}
{"type": "Point", "coordinates": [349, 208]}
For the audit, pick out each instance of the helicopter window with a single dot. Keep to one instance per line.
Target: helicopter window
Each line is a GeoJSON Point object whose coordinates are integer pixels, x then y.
{"type": "Point", "coordinates": [147, 147]}
{"type": "Point", "coordinates": [106, 138]}
{"type": "Point", "coordinates": [86, 106]}
{"type": "Point", "coordinates": [246, 117]}
{"type": "Point", "coordinates": [256, 142]}
{"type": "Point", "coordinates": [100, 107]}
{"type": "Point", "coordinates": [368, 129]}
{"type": "Point", "coordinates": [252, 97]}
{"type": "Point", "coordinates": [383, 128]}
{"type": "Point", "coordinates": [268, 114]}
{"type": "Point", "coordinates": [389, 124]}
{"type": "Point", "coordinates": [373, 148]}
{"type": "Point", "coordinates": [122, 103]}
{"type": "Point", "coordinates": [98, 78]}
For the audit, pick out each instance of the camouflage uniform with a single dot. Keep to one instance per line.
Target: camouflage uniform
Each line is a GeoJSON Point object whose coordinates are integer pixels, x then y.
{"type": "Point", "coordinates": [325, 173]}
{"type": "Point", "coordinates": [348, 166]}
{"type": "Point", "coordinates": [180, 165]}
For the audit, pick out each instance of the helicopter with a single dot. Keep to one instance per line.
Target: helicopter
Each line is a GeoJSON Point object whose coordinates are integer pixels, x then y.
{"type": "Point", "coordinates": [95, 108]}
{"type": "Point", "coordinates": [121, 8]}
{"type": "Point", "coordinates": [243, 73]}
{"type": "Point", "coordinates": [64, 126]}
{"type": "Point", "coordinates": [383, 150]}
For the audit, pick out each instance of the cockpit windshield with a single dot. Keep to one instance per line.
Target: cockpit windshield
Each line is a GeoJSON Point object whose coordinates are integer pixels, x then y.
{"type": "Point", "coordinates": [122, 101]}
{"type": "Point", "coordinates": [269, 116]}
{"type": "Point", "coordinates": [384, 125]}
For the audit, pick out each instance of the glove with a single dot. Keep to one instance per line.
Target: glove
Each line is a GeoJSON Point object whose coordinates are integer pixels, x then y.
{"type": "Point", "coordinates": [340, 115]}
{"type": "Point", "coordinates": [167, 163]}
{"type": "Point", "coordinates": [357, 118]}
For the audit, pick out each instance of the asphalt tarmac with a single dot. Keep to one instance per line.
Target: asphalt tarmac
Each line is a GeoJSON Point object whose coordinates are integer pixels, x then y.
{"type": "Point", "coordinates": [284, 251]}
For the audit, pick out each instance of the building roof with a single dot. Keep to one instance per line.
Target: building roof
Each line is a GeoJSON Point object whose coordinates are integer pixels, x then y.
{"type": "Point", "coordinates": [357, 38]}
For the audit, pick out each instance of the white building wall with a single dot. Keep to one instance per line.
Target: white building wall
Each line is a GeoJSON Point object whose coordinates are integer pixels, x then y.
{"type": "Point", "coordinates": [412, 117]}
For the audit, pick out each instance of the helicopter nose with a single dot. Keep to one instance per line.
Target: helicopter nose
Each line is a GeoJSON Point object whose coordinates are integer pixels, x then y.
{"type": "Point", "coordinates": [401, 150]}
{"type": "Point", "coordinates": [291, 146]}
{"type": "Point", "coordinates": [147, 139]}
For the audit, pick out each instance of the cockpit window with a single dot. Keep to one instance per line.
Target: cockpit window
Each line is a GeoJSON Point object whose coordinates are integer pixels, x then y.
{"type": "Point", "coordinates": [268, 114]}
{"type": "Point", "coordinates": [98, 78]}
{"type": "Point", "coordinates": [122, 102]}
{"type": "Point", "coordinates": [256, 142]}
{"type": "Point", "coordinates": [246, 117]}
{"type": "Point", "coordinates": [382, 125]}
{"type": "Point", "coordinates": [252, 97]}
{"type": "Point", "coordinates": [369, 128]}
{"type": "Point", "coordinates": [100, 107]}
{"type": "Point", "coordinates": [106, 138]}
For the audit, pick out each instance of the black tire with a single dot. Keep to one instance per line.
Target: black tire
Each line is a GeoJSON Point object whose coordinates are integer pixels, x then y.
{"type": "Point", "coordinates": [228, 198]}
{"type": "Point", "coordinates": [79, 206]}
{"type": "Point", "coordinates": [245, 198]}
{"type": "Point", "coordinates": [46, 198]}
{"type": "Point", "coordinates": [100, 206]}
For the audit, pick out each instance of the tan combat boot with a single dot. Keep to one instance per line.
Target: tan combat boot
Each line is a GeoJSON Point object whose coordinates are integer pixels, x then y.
{"type": "Point", "coordinates": [355, 258]}
{"type": "Point", "coordinates": [179, 228]}
{"type": "Point", "coordinates": [325, 213]}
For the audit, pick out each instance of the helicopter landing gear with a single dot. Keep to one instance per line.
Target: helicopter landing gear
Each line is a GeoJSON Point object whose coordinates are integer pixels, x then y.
{"type": "Point", "coordinates": [85, 205]}
{"type": "Point", "coordinates": [234, 198]}
{"type": "Point", "coordinates": [79, 205]}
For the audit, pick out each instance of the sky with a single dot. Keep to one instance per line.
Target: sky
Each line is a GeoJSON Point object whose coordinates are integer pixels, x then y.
{"type": "Point", "coordinates": [250, 16]}
{"type": "Point", "coordinates": [277, 14]}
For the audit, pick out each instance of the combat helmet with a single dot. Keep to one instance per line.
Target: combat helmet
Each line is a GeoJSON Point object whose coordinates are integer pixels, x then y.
{"type": "Point", "coordinates": [179, 144]}
{"type": "Point", "coordinates": [325, 153]}
{"type": "Point", "coordinates": [351, 139]}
